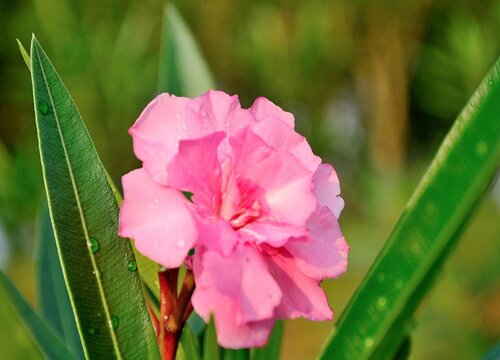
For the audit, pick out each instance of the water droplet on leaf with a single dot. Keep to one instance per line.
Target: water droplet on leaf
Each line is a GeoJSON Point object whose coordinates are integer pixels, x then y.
{"type": "Point", "coordinates": [132, 266]}
{"type": "Point", "coordinates": [181, 243]}
{"type": "Point", "coordinates": [114, 322]}
{"type": "Point", "coordinates": [368, 342]}
{"type": "Point", "coordinates": [97, 274]}
{"type": "Point", "coordinates": [93, 244]}
{"type": "Point", "coordinates": [381, 303]}
{"type": "Point", "coordinates": [91, 331]}
{"type": "Point", "coordinates": [44, 108]}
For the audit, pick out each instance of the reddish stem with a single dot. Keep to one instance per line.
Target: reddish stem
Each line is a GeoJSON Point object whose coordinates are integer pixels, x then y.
{"type": "Point", "coordinates": [154, 320]}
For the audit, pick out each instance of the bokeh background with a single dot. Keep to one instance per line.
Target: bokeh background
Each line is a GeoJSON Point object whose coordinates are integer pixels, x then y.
{"type": "Point", "coordinates": [374, 85]}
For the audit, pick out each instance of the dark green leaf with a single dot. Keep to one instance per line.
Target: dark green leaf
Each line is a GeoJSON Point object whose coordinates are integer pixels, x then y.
{"type": "Point", "coordinates": [53, 298]}
{"type": "Point", "coordinates": [272, 349]}
{"type": "Point", "coordinates": [377, 317]}
{"type": "Point", "coordinates": [24, 334]}
{"type": "Point", "coordinates": [211, 350]}
{"type": "Point", "coordinates": [107, 298]}
{"type": "Point", "coordinates": [240, 354]}
{"type": "Point", "coordinates": [189, 345]}
{"type": "Point", "coordinates": [183, 70]}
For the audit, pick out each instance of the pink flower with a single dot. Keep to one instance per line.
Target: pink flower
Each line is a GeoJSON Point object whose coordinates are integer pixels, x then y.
{"type": "Point", "coordinates": [263, 216]}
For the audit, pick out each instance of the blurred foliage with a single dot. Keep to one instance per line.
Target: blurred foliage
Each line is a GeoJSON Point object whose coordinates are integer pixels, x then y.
{"type": "Point", "coordinates": [374, 85]}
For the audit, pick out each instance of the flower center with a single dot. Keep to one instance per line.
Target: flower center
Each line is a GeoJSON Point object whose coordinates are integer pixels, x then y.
{"type": "Point", "coordinates": [245, 215]}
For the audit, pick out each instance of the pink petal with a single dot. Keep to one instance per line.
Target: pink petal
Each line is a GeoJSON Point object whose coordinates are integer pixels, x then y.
{"type": "Point", "coordinates": [285, 186]}
{"type": "Point", "coordinates": [327, 189]}
{"type": "Point", "coordinates": [196, 169]}
{"type": "Point", "coordinates": [218, 111]}
{"type": "Point", "coordinates": [274, 234]}
{"type": "Point", "coordinates": [277, 133]}
{"type": "Point", "coordinates": [239, 291]}
{"type": "Point", "coordinates": [302, 296]}
{"type": "Point", "coordinates": [324, 253]}
{"type": "Point", "coordinates": [159, 129]}
{"type": "Point", "coordinates": [263, 108]}
{"type": "Point", "coordinates": [157, 218]}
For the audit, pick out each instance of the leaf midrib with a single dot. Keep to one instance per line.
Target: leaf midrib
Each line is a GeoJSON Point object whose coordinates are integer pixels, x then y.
{"type": "Point", "coordinates": [82, 218]}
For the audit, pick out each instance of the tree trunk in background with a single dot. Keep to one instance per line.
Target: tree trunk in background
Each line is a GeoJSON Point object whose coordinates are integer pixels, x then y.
{"type": "Point", "coordinates": [388, 38]}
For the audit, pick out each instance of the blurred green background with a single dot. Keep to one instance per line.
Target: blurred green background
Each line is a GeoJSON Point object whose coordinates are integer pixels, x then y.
{"type": "Point", "coordinates": [374, 85]}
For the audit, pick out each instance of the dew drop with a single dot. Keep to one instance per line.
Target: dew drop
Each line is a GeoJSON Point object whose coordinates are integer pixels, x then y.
{"type": "Point", "coordinates": [44, 108]}
{"type": "Point", "coordinates": [151, 152]}
{"type": "Point", "coordinates": [380, 277]}
{"type": "Point", "coordinates": [490, 83]}
{"type": "Point", "coordinates": [204, 124]}
{"type": "Point", "coordinates": [132, 266]}
{"type": "Point", "coordinates": [91, 331]}
{"type": "Point", "coordinates": [157, 284]}
{"type": "Point", "coordinates": [114, 321]}
{"type": "Point", "coordinates": [97, 274]}
{"type": "Point", "coordinates": [203, 113]}
{"type": "Point", "coordinates": [381, 303]}
{"type": "Point", "coordinates": [398, 284]}
{"type": "Point", "coordinates": [181, 243]}
{"type": "Point", "coordinates": [93, 244]}
{"type": "Point", "coordinates": [481, 148]}
{"type": "Point", "coordinates": [368, 342]}
{"type": "Point", "coordinates": [184, 127]}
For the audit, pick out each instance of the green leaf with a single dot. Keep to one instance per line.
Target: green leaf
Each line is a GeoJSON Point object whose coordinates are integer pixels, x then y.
{"type": "Point", "coordinates": [24, 334]}
{"type": "Point", "coordinates": [106, 297]}
{"type": "Point", "coordinates": [211, 350]}
{"type": "Point", "coordinates": [240, 354]}
{"type": "Point", "coordinates": [189, 345]}
{"type": "Point", "coordinates": [272, 349]}
{"type": "Point", "coordinates": [24, 54]}
{"type": "Point", "coordinates": [377, 318]}
{"type": "Point", "coordinates": [182, 71]}
{"type": "Point", "coordinates": [53, 298]}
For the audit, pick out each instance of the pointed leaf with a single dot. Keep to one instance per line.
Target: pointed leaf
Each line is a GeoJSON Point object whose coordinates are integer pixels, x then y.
{"type": "Point", "coordinates": [183, 71]}
{"type": "Point", "coordinates": [211, 350]}
{"type": "Point", "coordinates": [24, 334]}
{"type": "Point", "coordinates": [272, 349]}
{"type": "Point", "coordinates": [106, 297]}
{"type": "Point", "coordinates": [375, 322]}
{"type": "Point", "coordinates": [53, 298]}
{"type": "Point", "coordinates": [189, 346]}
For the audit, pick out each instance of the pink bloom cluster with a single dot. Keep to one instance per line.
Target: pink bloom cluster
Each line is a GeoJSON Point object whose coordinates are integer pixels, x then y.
{"type": "Point", "coordinates": [262, 218]}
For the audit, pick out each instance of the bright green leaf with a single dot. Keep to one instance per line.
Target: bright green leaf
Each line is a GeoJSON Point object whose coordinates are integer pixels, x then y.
{"type": "Point", "coordinates": [182, 71]}
{"type": "Point", "coordinates": [24, 54]}
{"type": "Point", "coordinates": [107, 298]}
{"type": "Point", "coordinates": [24, 334]}
{"type": "Point", "coordinates": [272, 349]}
{"type": "Point", "coordinates": [376, 320]}
{"type": "Point", "coordinates": [53, 298]}
{"type": "Point", "coordinates": [211, 350]}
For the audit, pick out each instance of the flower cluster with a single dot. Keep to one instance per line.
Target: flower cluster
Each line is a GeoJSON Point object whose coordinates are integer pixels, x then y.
{"type": "Point", "coordinates": [262, 218]}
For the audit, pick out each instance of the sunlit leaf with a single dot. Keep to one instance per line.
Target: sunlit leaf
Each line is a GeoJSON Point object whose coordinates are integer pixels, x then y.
{"type": "Point", "coordinates": [375, 322]}
{"type": "Point", "coordinates": [106, 296]}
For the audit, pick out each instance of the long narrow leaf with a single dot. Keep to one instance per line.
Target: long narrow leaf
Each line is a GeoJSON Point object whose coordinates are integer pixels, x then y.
{"type": "Point", "coordinates": [53, 298]}
{"type": "Point", "coordinates": [106, 296]}
{"type": "Point", "coordinates": [24, 334]}
{"type": "Point", "coordinates": [272, 349]}
{"type": "Point", "coordinates": [182, 70]}
{"type": "Point", "coordinates": [375, 321]}
{"type": "Point", "coordinates": [211, 350]}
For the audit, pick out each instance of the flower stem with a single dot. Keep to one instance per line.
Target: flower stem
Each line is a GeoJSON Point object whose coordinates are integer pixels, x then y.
{"type": "Point", "coordinates": [174, 310]}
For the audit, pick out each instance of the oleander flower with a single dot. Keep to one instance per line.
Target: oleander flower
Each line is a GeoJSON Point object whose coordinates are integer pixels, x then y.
{"type": "Point", "coordinates": [262, 218]}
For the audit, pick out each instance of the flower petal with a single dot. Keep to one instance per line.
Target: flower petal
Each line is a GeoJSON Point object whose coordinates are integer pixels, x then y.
{"type": "Point", "coordinates": [159, 129]}
{"type": "Point", "coordinates": [302, 296]}
{"type": "Point", "coordinates": [327, 189]}
{"type": "Point", "coordinates": [282, 181]}
{"type": "Point", "coordinates": [263, 108]}
{"type": "Point", "coordinates": [274, 234]}
{"type": "Point", "coordinates": [324, 253]}
{"type": "Point", "coordinates": [239, 291]}
{"type": "Point", "coordinates": [278, 134]}
{"type": "Point", "coordinates": [196, 169]}
{"type": "Point", "coordinates": [157, 218]}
